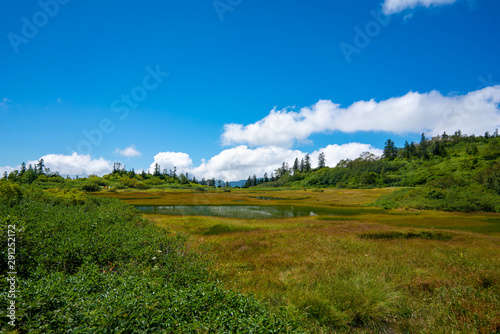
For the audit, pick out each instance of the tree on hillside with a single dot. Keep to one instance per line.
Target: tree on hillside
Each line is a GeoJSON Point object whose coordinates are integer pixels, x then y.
{"type": "Point", "coordinates": [422, 147]}
{"type": "Point", "coordinates": [321, 160]}
{"type": "Point", "coordinates": [5, 177]}
{"type": "Point", "coordinates": [157, 169]}
{"type": "Point", "coordinates": [266, 178]}
{"type": "Point", "coordinates": [302, 165]}
{"type": "Point", "coordinates": [438, 149]}
{"type": "Point", "coordinates": [248, 183]}
{"type": "Point", "coordinates": [23, 169]}
{"type": "Point", "coordinates": [296, 165]}
{"type": "Point", "coordinates": [406, 150]}
{"type": "Point", "coordinates": [413, 149]}
{"type": "Point", "coordinates": [307, 163]}
{"type": "Point", "coordinates": [390, 150]}
{"type": "Point", "coordinates": [444, 137]}
{"type": "Point", "coordinates": [117, 166]}
{"type": "Point", "coordinates": [40, 166]}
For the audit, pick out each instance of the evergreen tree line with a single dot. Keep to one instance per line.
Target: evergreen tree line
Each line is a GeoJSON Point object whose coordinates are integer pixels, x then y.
{"type": "Point", "coordinates": [366, 171]}
{"type": "Point", "coordinates": [304, 166]}
{"type": "Point", "coordinates": [371, 170]}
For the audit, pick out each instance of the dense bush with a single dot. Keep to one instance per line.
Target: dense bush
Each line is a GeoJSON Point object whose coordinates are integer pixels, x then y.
{"type": "Point", "coordinates": [90, 187]}
{"type": "Point", "coordinates": [465, 199]}
{"type": "Point", "coordinates": [89, 264]}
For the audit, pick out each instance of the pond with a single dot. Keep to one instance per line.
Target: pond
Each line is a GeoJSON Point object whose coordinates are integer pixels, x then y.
{"type": "Point", "coordinates": [236, 211]}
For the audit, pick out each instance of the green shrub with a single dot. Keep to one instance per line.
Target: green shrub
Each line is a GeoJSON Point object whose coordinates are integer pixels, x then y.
{"type": "Point", "coordinates": [90, 187]}
{"type": "Point", "coordinates": [10, 193]}
{"type": "Point", "coordinates": [471, 198]}
{"type": "Point", "coordinates": [88, 264]}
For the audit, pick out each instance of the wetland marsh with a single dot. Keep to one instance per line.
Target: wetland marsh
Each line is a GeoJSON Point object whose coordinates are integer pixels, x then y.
{"type": "Point", "coordinates": [353, 267]}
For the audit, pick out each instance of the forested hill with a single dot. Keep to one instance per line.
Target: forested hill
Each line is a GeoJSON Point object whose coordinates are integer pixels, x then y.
{"type": "Point", "coordinates": [454, 172]}
{"type": "Point", "coordinates": [457, 172]}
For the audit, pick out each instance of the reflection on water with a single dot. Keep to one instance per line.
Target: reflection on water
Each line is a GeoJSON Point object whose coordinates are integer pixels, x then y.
{"type": "Point", "coordinates": [234, 211]}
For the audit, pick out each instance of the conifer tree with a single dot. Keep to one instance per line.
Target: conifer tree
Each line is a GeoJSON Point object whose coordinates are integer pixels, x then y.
{"type": "Point", "coordinates": [422, 147]}
{"type": "Point", "coordinates": [40, 166]}
{"type": "Point", "coordinates": [248, 183]}
{"type": "Point", "coordinates": [321, 160]}
{"type": "Point", "coordinates": [307, 163]}
{"type": "Point", "coordinates": [406, 150]}
{"type": "Point", "coordinates": [296, 165]}
{"type": "Point", "coordinates": [390, 150]}
{"type": "Point", "coordinates": [157, 169]}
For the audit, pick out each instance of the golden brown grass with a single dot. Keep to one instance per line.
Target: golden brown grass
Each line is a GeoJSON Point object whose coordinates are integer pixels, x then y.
{"type": "Point", "coordinates": [321, 270]}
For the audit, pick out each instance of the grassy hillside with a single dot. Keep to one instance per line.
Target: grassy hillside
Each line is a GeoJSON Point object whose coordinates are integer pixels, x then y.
{"type": "Point", "coordinates": [457, 173]}
{"type": "Point", "coordinates": [87, 264]}
{"type": "Point", "coordinates": [451, 173]}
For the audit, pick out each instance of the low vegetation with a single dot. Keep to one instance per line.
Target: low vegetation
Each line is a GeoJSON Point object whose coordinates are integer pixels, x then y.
{"type": "Point", "coordinates": [362, 270]}
{"type": "Point", "coordinates": [451, 173]}
{"type": "Point", "coordinates": [88, 264]}
{"type": "Point", "coordinates": [411, 245]}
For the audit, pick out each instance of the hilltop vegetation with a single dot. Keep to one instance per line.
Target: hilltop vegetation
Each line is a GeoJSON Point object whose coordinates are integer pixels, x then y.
{"type": "Point", "coordinates": [453, 173]}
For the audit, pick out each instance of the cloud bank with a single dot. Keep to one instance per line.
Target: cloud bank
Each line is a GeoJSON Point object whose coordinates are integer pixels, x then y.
{"type": "Point", "coordinates": [129, 152]}
{"type": "Point", "coordinates": [414, 112]}
{"type": "Point", "coordinates": [397, 6]}
{"type": "Point", "coordinates": [168, 160]}
{"type": "Point", "coordinates": [239, 162]}
{"type": "Point", "coordinates": [232, 164]}
{"type": "Point", "coordinates": [263, 146]}
{"type": "Point", "coordinates": [75, 164]}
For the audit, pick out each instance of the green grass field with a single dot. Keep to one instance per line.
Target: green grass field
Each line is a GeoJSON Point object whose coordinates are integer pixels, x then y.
{"type": "Point", "coordinates": [362, 270]}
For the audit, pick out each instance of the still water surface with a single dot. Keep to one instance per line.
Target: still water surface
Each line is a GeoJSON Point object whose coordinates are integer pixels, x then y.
{"type": "Point", "coordinates": [236, 211]}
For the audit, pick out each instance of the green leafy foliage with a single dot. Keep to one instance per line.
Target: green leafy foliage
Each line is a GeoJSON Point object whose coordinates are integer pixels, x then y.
{"type": "Point", "coordinates": [89, 264]}
{"type": "Point", "coordinates": [451, 173]}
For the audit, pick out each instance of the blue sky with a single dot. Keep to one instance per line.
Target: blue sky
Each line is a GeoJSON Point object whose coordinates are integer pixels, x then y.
{"type": "Point", "coordinates": [68, 68]}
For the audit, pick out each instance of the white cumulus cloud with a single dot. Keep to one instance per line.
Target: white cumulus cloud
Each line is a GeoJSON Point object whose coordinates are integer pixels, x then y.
{"type": "Point", "coordinates": [335, 153]}
{"type": "Point", "coordinates": [239, 162]}
{"type": "Point", "coordinates": [397, 6]}
{"type": "Point", "coordinates": [432, 113]}
{"type": "Point", "coordinates": [169, 160]}
{"type": "Point", "coordinates": [129, 152]}
{"type": "Point", "coordinates": [232, 164]}
{"type": "Point", "coordinates": [8, 169]}
{"type": "Point", "coordinates": [75, 164]}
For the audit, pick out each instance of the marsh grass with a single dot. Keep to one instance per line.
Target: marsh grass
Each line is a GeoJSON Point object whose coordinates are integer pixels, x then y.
{"type": "Point", "coordinates": [364, 270]}
{"type": "Point", "coordinates": [387, 235]}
